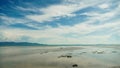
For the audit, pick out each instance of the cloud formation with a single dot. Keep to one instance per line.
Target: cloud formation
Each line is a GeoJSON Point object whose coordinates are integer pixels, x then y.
{"type": "Point", "coordinates": [47, 24]}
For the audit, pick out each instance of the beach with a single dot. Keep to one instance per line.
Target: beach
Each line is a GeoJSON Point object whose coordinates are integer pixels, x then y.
{"type": "Point", "coordinates": [60, 56]}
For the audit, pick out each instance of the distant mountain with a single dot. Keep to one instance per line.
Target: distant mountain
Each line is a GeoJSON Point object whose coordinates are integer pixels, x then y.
{"type": "Point", "coordinates": [19, 44]}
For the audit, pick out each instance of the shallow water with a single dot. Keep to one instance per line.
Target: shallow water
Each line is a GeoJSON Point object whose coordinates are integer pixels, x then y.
{"type": "Point", "coordinates": [108, 55]}
{"type": "Point", "coordinates": [47, 57]}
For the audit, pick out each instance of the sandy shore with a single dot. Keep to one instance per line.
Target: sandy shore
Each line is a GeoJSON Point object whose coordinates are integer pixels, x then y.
{"type": "Point", "coordinates": [60, 57]}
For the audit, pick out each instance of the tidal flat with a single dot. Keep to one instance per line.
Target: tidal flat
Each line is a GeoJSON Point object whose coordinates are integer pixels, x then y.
{"type": "Point", "coordinates": [60, 56]}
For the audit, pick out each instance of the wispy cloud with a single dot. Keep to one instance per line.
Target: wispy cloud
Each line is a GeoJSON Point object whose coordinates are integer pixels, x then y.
{"type": "Point", "coordinates": [101, 24]}
{"type": "Point", "coordinates": [80, 31]}
{"type": "Point", "coordinates": [66, 9]}
{"type": "Point", "coordinates": [11, 20]}
{"type": "Point", "coordinates": [53, 12]}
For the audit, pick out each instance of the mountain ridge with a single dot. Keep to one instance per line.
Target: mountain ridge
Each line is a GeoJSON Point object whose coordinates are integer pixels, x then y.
{"type": "Point", "coordinates": [20, 44]}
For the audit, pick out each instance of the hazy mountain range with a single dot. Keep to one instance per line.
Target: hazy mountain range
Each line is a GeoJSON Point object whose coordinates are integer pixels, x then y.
{"type": "Point", "coordinates": [38, 44]}
{"type": "Point", "coordinates": [19, 44]}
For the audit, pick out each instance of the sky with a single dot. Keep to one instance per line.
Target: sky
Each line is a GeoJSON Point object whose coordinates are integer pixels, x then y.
{"type": "Point", "coordinates": [60, 21]}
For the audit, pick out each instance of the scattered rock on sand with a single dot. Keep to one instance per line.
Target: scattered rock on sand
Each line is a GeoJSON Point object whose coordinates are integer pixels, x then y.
{"type": "Point", "coordinates": [68, 56]}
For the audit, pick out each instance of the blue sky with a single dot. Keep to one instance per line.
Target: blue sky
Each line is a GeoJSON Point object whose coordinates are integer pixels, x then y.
{"type": "Point", "coordinates": [60, 21]}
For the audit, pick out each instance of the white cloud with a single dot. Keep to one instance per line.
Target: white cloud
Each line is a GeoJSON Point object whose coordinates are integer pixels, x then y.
{"type": "Point", "coordinates": [11, 20]}
{"type": "Point", "coordinates": [50, 13]}
{"type": "Point", "coordinates": [56, 35]}
{"type": "Point", "coordinates": [97, 16]}
{"type": "Point", "coordinates": [26, 9]}
{"type": "Point", "coordinates": [104, 6]}
{"type": "Point", "coordinates": [66, 9]}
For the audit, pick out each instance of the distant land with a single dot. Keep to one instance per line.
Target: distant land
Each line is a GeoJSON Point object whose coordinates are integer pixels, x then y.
{"type": "Point", "coordinates": [20, 44]}
{"type": "Point", "coordinates": [38, 44]}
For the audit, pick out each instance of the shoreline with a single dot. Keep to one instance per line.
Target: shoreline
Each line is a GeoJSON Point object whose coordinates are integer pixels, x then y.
{"type": "Point", "coordinates": [60, 57]}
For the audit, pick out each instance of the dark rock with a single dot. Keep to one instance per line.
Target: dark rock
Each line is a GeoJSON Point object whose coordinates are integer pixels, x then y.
{"type": "Point", "coordinates": [74, 65]}
{"type": "Point", "coordinates": [68, 56]}
{"type": "Point", "coordinates": [114, 51]}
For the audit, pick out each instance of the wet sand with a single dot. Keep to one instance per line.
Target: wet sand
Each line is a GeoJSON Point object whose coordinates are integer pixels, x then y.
{"type": "Point", "coordinates": [60, 57]}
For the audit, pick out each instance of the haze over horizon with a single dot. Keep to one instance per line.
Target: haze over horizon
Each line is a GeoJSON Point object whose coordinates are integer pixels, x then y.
{"type": "Point", "coordinates": [60, 21]}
